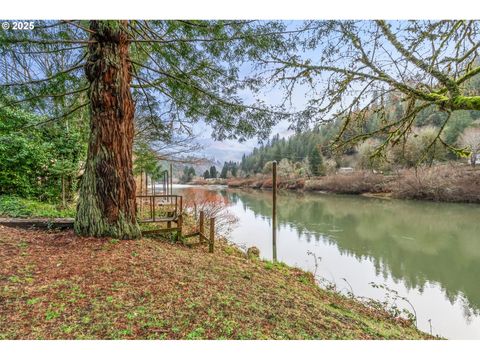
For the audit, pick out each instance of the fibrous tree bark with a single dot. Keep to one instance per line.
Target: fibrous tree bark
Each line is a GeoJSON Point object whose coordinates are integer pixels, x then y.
{"type": "Point", "coordinates": [106, 204]}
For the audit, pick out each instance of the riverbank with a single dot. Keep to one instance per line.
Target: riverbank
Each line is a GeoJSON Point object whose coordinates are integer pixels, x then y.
{"type": "Point", "coordinates": [200, 181]}
{"type": "Point", "coordinates": [444, 183]}
{"type": "Point", "coordinates": [55, 285]}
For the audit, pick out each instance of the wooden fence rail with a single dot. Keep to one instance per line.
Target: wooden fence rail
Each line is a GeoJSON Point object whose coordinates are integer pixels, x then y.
{"type": "Point", "coordinates": [202, 236]}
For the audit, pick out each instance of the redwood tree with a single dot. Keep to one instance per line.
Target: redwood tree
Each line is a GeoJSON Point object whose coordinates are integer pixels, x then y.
{"type": "Point", "coordinates": [107, 195]}
{"type": "Point", "coordinates": [135, 78]}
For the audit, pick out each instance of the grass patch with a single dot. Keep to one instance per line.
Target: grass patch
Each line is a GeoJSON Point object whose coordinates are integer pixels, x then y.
{"type": "Point", "coordinates": [14, 206]}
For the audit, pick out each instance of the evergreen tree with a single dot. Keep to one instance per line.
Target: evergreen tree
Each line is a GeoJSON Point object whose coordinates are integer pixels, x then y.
{"type": "Point", "coordinates": [223, 173]}
{"type": "Point", "coordinates": [188, 174]}
{"type": "Point", "coordinates": [234, 169]}
{"type": "Point", "coordinates": [243, 164]}
{"type": "Point", "coordinates": [213, 172]}
{"type": "Point", "coordinates": [316, 162]}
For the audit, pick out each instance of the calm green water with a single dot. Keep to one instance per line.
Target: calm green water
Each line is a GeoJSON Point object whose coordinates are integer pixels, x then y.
{"type": "Point", "coordinates": [428, 252]}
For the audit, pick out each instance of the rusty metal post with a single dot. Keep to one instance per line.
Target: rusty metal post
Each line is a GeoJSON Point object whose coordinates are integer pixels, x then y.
{"type": "Point", "coordinates": [212, 235]}
{"type": "Point", "coordinates": [164, 185]}
{"type": "Point", "coordinates": [274, 210]}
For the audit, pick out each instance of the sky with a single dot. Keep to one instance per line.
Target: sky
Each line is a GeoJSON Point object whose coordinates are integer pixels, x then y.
{"type": "Point", "coordinates": [273, 95]}
{"type": "Point", "coordinates": [229, 150]}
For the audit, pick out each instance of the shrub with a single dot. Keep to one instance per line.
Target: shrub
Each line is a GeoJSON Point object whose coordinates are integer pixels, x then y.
{"type": "Point", "coordinates": [366, 156]}
{"type": "Point", "coordinates": [451, 183]}
{"type": "Point", "coordinates": [14, 206]}
{"type": "Point", "coordinates": [420, 147]}
{"type": "Point", "coordinates": [214, 205]}
{"type": "Point", "coordinates": [354, 183]}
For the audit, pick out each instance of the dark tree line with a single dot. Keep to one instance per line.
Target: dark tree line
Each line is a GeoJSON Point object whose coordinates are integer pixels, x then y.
{"type": "Point", "coordinates": [212, 173]}
{"type": "Point", "coordinates": [330, 140]}
{"type": "Point", "coordinates": [230, 168]}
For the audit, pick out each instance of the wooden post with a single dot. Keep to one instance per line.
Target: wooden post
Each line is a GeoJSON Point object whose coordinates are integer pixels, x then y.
{"type": "Point", "coordinates": [171, 179]}
{"type": "Point", "coordinates": [274, 210]}
{"type": "Point", "coordinates": [141, 193]}
{"type": "Point", "coordinates": [212, 235]}
{"type": "Point", "coordinates": [153, 207]}
{"type": "Point", "coordinates": [201, 228]}
{"type": "Point", "coordinates": [64, 202]}
{"type": "Point", "coordinates": [179, 225]}
{"type": "Point", "coordinates": [195, 210]}
{"type": "Point", "coordinates": [146, 184]}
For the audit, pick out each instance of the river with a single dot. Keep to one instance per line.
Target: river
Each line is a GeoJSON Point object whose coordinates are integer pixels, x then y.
{"type": "Point", "coordinates": [427, 252]}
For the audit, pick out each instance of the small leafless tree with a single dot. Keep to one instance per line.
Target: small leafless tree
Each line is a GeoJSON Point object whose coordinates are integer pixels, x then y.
{"type": "Point", "coordinates": [214, 205]}
{"type": "Point", "coordinates": [471, 140]}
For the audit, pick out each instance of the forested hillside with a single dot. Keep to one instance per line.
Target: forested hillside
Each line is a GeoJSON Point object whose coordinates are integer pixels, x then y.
{"type": "Point", "coordinates": [344, 144]}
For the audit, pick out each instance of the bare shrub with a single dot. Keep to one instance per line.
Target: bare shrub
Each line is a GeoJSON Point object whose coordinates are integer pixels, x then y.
{"type": "Point", "coordinates": [366, 155]}
{"type": "Point", "coordinates": [238, 183]}
{"type": "Point", "coordinates": [214, 205]}
{"type": "Point", "coordinates": [353, 183]}
{"type": "Point", "coordinates": [330, 166]}
{"type": "Point", "coordinates": [419, 147]}
{"type": "Point", "coordinates": [471, 140]}
{"type": "Point", "coordinates": [451, 183]}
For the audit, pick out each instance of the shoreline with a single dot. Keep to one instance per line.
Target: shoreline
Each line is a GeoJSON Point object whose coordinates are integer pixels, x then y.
{"type": "Point", "coordinates": [442, 183]}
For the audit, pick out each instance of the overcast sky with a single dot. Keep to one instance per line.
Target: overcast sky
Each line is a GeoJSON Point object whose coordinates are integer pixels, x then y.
{"type": "Point", "coordinates": [231, 149]}
{"type": "Point", "coordinates": [271, 95]}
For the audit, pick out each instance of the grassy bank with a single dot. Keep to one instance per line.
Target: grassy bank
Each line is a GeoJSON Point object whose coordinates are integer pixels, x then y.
{"type": "Point", "coordinates": [59, 286]}
{"type": "Point", "coordinates": [446, 183]}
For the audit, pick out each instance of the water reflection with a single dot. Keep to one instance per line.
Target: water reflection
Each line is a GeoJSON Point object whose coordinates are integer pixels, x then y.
{"type": "Point", "coordinates": [414, 242]}
{"type": "Point", "coordinates": [430, 249]}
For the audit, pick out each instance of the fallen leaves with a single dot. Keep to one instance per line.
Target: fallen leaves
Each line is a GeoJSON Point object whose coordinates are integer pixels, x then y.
{"type": "Point", "coordinates": [56, 285]}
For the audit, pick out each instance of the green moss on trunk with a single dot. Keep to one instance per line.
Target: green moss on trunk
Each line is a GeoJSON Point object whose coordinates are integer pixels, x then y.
{"type": "Point", "coordinates": [107, 193]}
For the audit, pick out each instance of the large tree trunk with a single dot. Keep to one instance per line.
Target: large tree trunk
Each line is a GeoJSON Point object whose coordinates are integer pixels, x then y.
{"type": "Point", "coordinates": [107, 193]}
